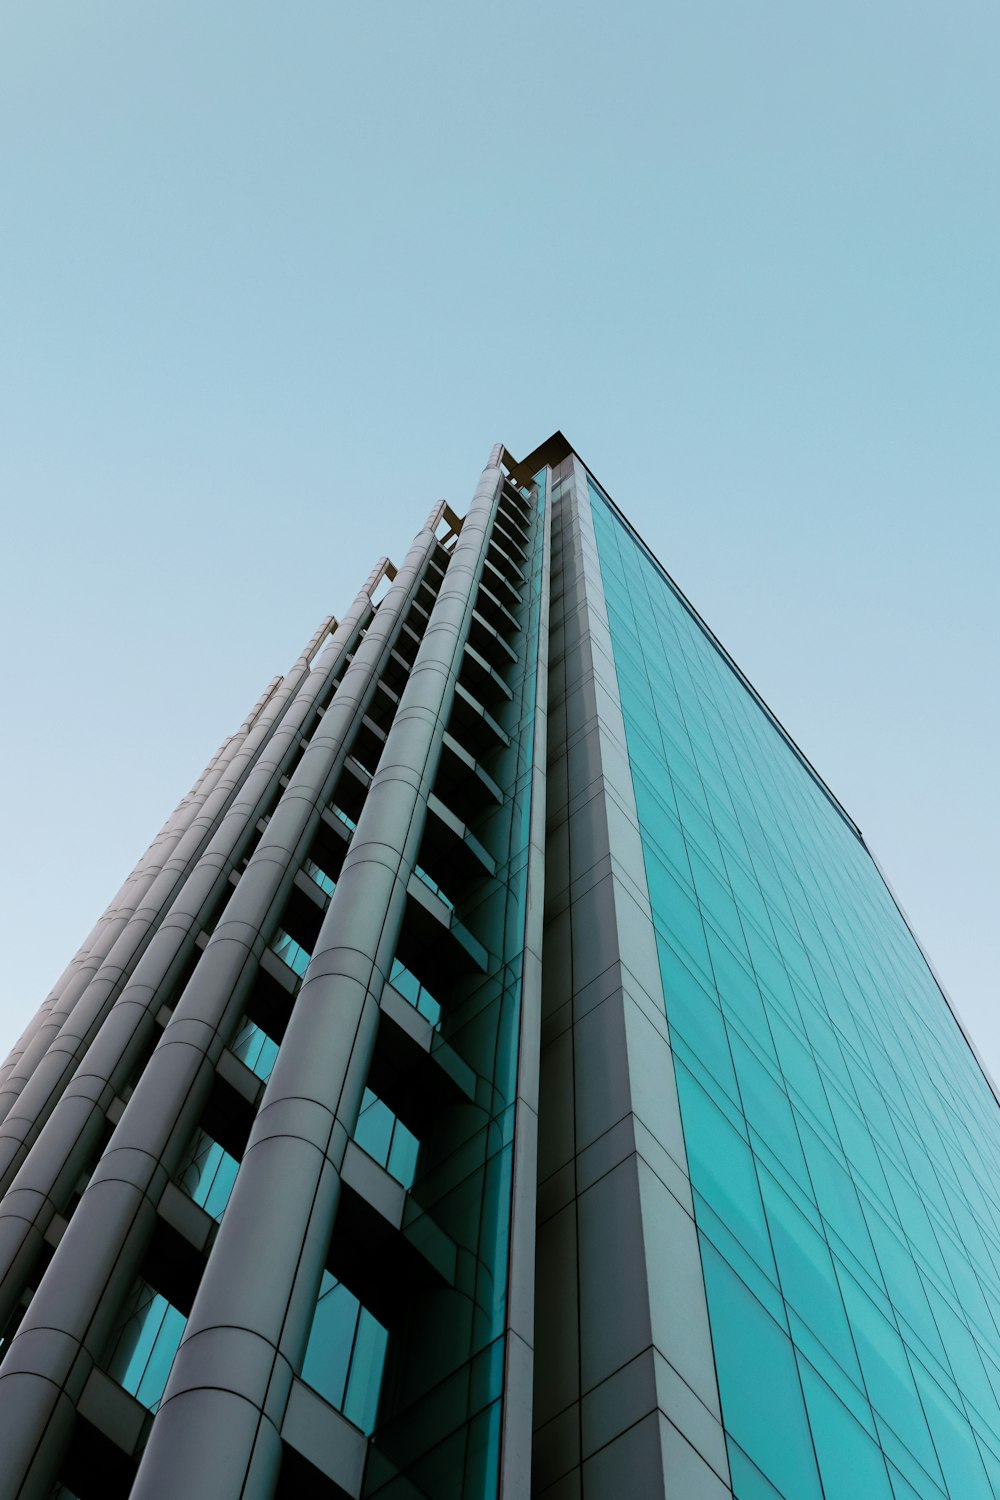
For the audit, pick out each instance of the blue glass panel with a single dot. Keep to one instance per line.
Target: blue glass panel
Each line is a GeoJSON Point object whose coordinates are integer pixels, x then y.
{"type": "Point", "coordinates": [209, 1175]}
{"type": "Point", "coordinates": [723, 1168]}
{"type": "Point", "coordinates": [364, 1379]}
{"type": "Point", "coordinates": [432, 885]}
{"type": "Point", "coordinates": [323, 880]}
{"type": "Point", "coordinates": [757, 1378]}
{"type": "Point", "coordinates": [748, 1482]}
{"type": "Point", "coordinates": [290, 952]}
{"type": "Point", "coordinates": [145, 1346]}
{"type": "Point", "coordinates": [345, 1354]}
{"type": "Point", "coordinates": [410, 987]}
{"type": "Point", "coordinates": [954, 1441]}
{"type": "Point", "coordinates": [386, 1139]}
{"type": "Point", "coordinates": [851, 1463]}
{"type": "Point", "coordinates": [843, 1144]}
{"type": "Point", "coordinates": [256, 1049]}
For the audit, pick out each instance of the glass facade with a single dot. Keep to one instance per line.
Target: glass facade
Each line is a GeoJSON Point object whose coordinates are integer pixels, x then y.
{"type": "Point", "coordinates": [843, 1143]}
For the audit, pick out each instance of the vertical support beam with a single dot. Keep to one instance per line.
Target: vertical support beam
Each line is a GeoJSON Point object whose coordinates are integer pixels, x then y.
{"type": "Point", "coordinates": [72, 1313]}
{"type": "Point", "coordinates": [122, 905]}
{"type": "Point", "coordinates": [35, 1085]}
{"type": "Point", "coordinates": [515, 1435]}
{"type": "Point", "coordinates": [626, 1393]}
{"type": "Point", "coordinates": [247, 1332]}
{"type": "Point", "coordinates": [130, 923]}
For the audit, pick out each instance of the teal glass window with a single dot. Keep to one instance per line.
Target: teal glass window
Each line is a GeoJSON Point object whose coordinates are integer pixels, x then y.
{"type": "Point", "coordinates": [144, 1348]}
{"type": "Point", "coordinates": [759, 1383]}
{"type": "Point", "coordinates": [323, 880]}
{"type": "Point", "coordinates": [345, 1354]}
{"type": "Point", "coordinates": [850, 1460]}
{"type": "Point", "coordinates": [419, 996]}
{"type": "Point", "coordinates": [432, 885]}
{"type": "Point", "coordinates": [290, 952]}
{"type": "Point", "coordinates": [255, 1048]}
{"type": "Point", "coordinates": [386, 1139]}
{"type": "Point", "coordinates": [209, 1175]}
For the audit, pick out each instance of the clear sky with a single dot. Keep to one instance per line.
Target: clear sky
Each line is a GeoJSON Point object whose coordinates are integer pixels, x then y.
{"type": "Point", "coordinates": [274, 277]}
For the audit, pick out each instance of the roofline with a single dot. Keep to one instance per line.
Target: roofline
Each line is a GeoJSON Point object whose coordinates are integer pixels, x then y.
{"type": "Point", "coordinates": [552, 452]}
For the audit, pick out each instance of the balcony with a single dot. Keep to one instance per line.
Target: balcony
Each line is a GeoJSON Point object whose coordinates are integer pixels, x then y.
{"type": "Point", "coordinates": [481, 679]}
{"type": "Point", "coordinates": [463, 784]}
{"type": "Point", "coordinates": [491, 607]}
{"type": "Point", "coordinates": [504, 563]}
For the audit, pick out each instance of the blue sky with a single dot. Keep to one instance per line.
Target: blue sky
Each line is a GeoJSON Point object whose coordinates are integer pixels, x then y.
{"type": "Point", "coordinates": [273, 279]}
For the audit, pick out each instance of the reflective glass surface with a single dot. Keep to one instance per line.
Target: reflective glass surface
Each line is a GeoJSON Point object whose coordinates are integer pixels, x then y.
{"type": "Point", "coordinates": [345, 1354]}
{"type": "Point", "coordinates": [386, 1139]}
{"type": "Point", "coordinates": [432, 885]}
{"type": "Point", "coordinates": [291, 952]}
{"type": "Point", "coordinates": [256, 1049]}
{"type": "Point", "coordinates": [410, 987]}
{"type": "Point", "coordinates": [843, 1143]}
{"type": "Point", "coordinates": [344, 817]}
{"type": "Point", "coordinates": [145, 1345]}
{"type": "Point", "coordinates": [323, 880]}
{"type": "Point", "coordinates": [209, 1174]}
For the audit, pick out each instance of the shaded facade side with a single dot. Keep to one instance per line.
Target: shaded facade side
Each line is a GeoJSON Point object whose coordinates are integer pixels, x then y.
{"type": "Point", "coordinates": [269, 1152]}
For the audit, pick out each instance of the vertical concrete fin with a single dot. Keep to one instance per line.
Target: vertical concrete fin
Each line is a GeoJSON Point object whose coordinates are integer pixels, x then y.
{"type": "Point", "coordinates": [290, 1174]}
{"type": "Point", "coordinates": [626, 1377]}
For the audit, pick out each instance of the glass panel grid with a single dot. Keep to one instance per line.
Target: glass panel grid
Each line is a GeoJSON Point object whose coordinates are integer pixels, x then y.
{"type": "Point", "coordinates": [843, 1142]}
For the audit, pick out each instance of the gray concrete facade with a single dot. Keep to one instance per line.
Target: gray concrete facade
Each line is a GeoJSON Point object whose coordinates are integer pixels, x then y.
{"type": "Point", "coordinates": [414, 874]}
{"type": "Point", "coordinates": [246, 1335]}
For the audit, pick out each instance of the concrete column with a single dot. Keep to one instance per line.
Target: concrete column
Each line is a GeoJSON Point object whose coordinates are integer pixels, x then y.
{"type": "Point", "coordinates": [248, 1328]}
{"type": "Point", "coordinates": [59, 1042]}
{"type": "Point", "coordinates": [626, 1399]}
{"type": "Point", "coordinates": [72, 1313]}
{"type": "Point", "coordinates": [122, 909]}
{"type": "Point", "coordinates": [100, 937]}
{"type": "Point", "coordinates": [42, 1160]}
{"type": "Point", "coordinates": [515, 1435]}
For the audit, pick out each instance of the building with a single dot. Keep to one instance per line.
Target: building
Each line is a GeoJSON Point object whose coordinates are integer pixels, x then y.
{"type": "Point", "coordinates": [602, 1129]}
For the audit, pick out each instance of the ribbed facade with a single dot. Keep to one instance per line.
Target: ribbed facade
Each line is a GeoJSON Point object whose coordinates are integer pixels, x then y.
{"type": "Point", "coordinates": [506, 1073]}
